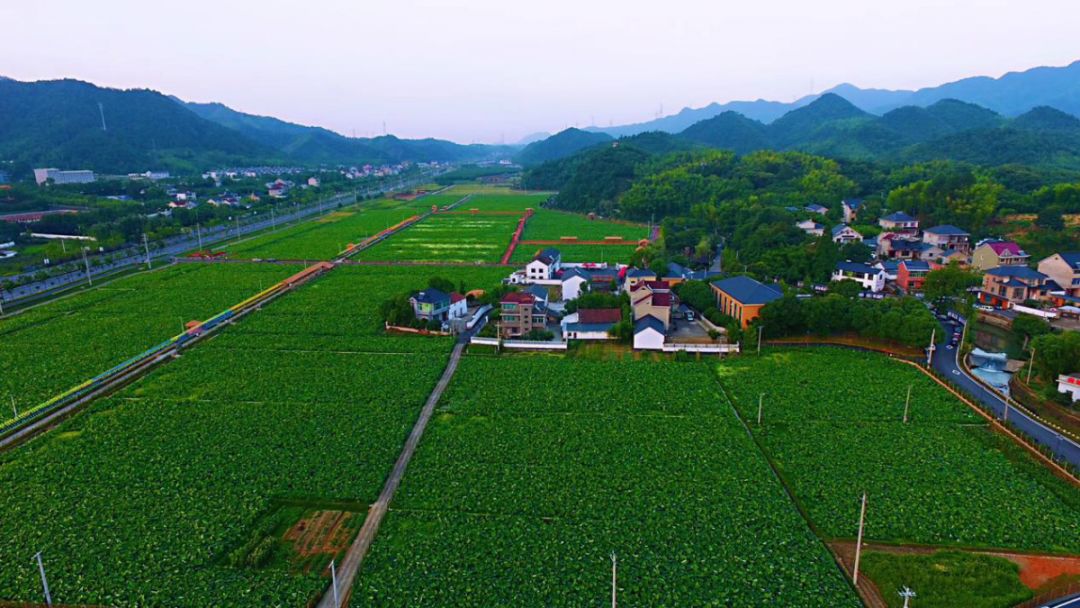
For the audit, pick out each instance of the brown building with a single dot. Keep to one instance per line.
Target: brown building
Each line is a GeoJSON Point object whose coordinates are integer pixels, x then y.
{"type": "Point", "coordinates": [1064, 269]}
{"type": "Point", "coordinates": [991, 254]}
{"type": "Point", "coordinates": [521, 313]}
{"type": "Point", "coordinates": [743, 298]}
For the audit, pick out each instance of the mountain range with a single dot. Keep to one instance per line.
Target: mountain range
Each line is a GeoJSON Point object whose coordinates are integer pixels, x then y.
{"type": "Point", "coordinates": [833, 126]}
{"type": "Point", "coordinates": [74, 124]}
{"type": "Point", "coordinates": [1010, 95]}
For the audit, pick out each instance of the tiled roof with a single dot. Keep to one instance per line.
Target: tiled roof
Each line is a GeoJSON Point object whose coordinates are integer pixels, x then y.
{"type": "Point", "coordinates": [518, 297]}
{"type": "Point", "coordinates": [915, 265]}
{"type": "Point", "coordinates": [1017, 272]}
{"type": "Point", "coordinates": [748, 291]}
{"type": "Point", "coordinates": [590, 316]}
{"type": "Point", "coordinates": [899, 216]}
{"type": "Point", "coordinates": [640, 273]}
{"type": "Point", "coordinates": [947, 230]}
{"type": "Point", "coordinates": [852, 203]}
{"type": "Point", "coordinates": [647, 322]}
{"type": "Point", "coordinates": [1072, 258]}
{"type": "Point", "coordinates": [432, 296]}
{"type": "Point", "coordinates": [857, 267]}
{"type": "Point", "coordinates": [1002, 247]}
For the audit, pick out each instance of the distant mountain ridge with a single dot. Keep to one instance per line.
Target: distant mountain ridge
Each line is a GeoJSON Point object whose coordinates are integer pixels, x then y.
{"type": "Point", "coordinates": [1010, 95]}
{"type": "Point", "coordinates": [75, 124]}
{"type": "Point", "coordinates": [832, 126]}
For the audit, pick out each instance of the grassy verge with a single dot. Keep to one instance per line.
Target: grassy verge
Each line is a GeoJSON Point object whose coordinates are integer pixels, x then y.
{"type": "Point", "coordinates": [947, 579]}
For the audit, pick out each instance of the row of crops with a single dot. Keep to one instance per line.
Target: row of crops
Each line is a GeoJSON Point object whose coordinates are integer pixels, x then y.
{"type": "Point", "coordinates": [448, 238]}
{"type": "Point", "coordinates": [140, 500]}
{"type": "Point", "coordinates": [324, 237]}
{"type": "Point", "coordinates": [52, 347]}
{"type": "Point", "coordinates": [833, 425]}
{"type": "Point", "coordinates": [547, 224]}
{"type": "Point", "coordinates": [534, 470]}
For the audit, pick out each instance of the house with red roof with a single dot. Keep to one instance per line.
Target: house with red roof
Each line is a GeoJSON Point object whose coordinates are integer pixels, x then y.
{"type": "Point", "coordinates": [653, 298]}
{"type": "Point", "coordinates": [521, 313]}
{"type": "Point", "coordinates": [993, 253]}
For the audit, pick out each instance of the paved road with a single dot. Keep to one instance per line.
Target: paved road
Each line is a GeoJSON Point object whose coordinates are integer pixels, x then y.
{"type": "Point", "coordinates": [1072, 601]}
{"type": "Point", "coordinates": [945, 362]}
{"type": "Point", "coordinates": [350, 566]}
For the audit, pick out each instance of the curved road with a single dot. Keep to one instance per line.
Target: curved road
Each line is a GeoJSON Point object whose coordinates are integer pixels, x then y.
{"type": "Point", "coordinates": [1064, 449]}
{"type": "Point", "coordinates": [1072, 601]}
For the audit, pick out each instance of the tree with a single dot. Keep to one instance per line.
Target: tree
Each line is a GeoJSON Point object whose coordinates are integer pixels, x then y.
{"type": "Point", "coordinates": [952, 281]}
{"type": "Point", "coordinates": [846, 289]}
{"type": "Point", "coordinates": [1057, 354]}
{"type": "Point", "coordinates": [443, 285]}
{"type": "Point", "coordinates": [398, 311]}
{"type": "Point", "coordinates": [1051, 218]}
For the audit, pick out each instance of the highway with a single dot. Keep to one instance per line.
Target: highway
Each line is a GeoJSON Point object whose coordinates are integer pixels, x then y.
{"type": "Point", "coordinates": [945, 362]}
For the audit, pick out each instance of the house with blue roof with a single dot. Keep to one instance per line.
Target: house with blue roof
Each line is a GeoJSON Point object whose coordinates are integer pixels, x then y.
{"type": "Point", "coordinates": [649, 333]}
{"type": "Point", "coordinates": [1005, 286]}
{"type": "Point", "coordinates": [948, 239]}
{"type": "Point", "coordinates": [851, 208]}
{"type": "Point", "coordinates": [1064, 269]}
{"type": "Point", "coordinates": [843, 234]}
{"type": "Point", "coordinates": [743, 298]}
{"type": "Point", "coordinates": [871, 278]}
{"type": "Point", "coordinates": [816, 208]}
{"type": "Point", "coordinates": [900, 223]}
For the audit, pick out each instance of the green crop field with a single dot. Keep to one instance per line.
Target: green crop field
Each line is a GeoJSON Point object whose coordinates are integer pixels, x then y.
{"type": "Point", "coordinates": [51, 348]}
{"type": "Point", "coordinates": [612, 254]}
{"type": "Point", "coordinates": [510, 201]}
{"type": "Point", "coordinates": [833, 425]}
{"type": "Point", "coordinates": [145, 498]}
{"type": "Point", "coordinates": [553, 225]}
{"type": "Point", "coordinates": [535, 469]}
{"type": "Point", "coordinates": [448, 238]}
{"type": "Point", "coordinates": [324, 237]}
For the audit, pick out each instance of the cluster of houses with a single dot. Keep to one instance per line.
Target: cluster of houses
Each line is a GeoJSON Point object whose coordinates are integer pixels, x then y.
{"type": "Point", "coordinates": [905, 254]}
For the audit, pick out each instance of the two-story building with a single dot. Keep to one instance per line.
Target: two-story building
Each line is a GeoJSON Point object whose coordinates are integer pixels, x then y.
{"type": "Point", "coordinates": [844, 234]}
{"type": "Point", "coordinates": [947, 238]}
{"type": "Point", "coordinates": [895, 246]}
{"type": "Point", "coordinates": [871, 278]}
{"type": "Point", "coordinates": [544, 265]}
{"type": "Point", "coordinates": [911, 274]}
{"type": "Point", "coordinates": [1064, 269]}
{"type": "Point", "coordinates": [634, 276]}
{"type": "Point", "coordinates": [653, 298]}
{"type": "Point", "coordinates": [520, 313]}
{"type": "Point", "coordinates": [899, 222]}
{"type": "Point", "coordinates": [743, 298]}
{"type": "Point", "coordinates": [811, 227]}
{"type": "Point", "coordinates": [993, 253]}
{"type": "Point", "coordinates": [1007, 285]}
{"type": "Point", "coordinates": [436, 305]}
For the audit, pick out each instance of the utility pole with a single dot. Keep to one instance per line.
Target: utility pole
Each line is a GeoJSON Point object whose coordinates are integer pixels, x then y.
{"type": "Point", "coordinates": [1005, 417]}
{"type": "Point", "coordinates": [1031, 363]}
{"type": "Point", "coordinates": [858, 541]}
{"type": "Point", "coordinates": [907, 403]}
{"type": "Point", "coordinates": [14, 409]}
{"type": "Point", "coordinates": [759, 406]}
{"type": "Point", "coordinates": [759, 332]}
{"type": "Point", "coordinates": [146, 247]}
{"type": "Point", "coordinates": [44, 581]}
{"type": "Point", "coordinates": [333, 584]}
{"type": "Point", "coordinates": [614, 579]}
{"type": "Point", "coordinates": [238, 226]}
{"type": "Point", "coordinates": [86, 262]}
{"type": "Point", "coordinates": [907, 594]}
{"type": "Point", "coordinates": [930, 350]}
{"type": "Point", "coordinates": [198, 231]}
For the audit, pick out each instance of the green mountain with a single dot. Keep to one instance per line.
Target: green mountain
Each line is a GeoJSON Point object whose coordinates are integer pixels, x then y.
{"type": "Point", "coordinates": [813, 121]}
{"type": "Point", "coordinates": [560, 145]}
{"type": "Point", "coordinates": [729, 131]}
{"type": "Point", "coordinates": [1045, 118]}
{"type": "Point", "coordinates": [73, 124]}
{"type": "Point", "coordinates": [77, 125]}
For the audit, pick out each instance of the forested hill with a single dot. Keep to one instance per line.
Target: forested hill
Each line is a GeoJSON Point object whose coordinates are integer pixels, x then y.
{"type": "Point", "coordinates": [1010, 95]}
{"type": "Point", "coordinates": [560, 145]}
{"type": "Point", "coordinates": [77, 125]}
{"type": "Point", "coordinates": [832, 126]}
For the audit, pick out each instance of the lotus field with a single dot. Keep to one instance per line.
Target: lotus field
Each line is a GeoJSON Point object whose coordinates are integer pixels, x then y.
{"type": "Point", "coordinates": [833, 425]}
{"type": "Point", "coordinates": [51, 348]}
{"type": "Point", "coordinates": [325, 237]}
{"type": "Point", "coordinates": [449, 237]}
{"type": "Point", "coordinates": [535, 469]}
{"type": "Point", "coordinates": [141, 499]}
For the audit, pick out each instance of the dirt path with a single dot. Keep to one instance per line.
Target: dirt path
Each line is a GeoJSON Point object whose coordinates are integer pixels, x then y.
{"type": "Point", "coordinates": [350, 566]}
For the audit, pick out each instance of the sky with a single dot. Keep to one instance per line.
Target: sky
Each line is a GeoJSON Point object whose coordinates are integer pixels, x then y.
{"type": "Point", "coordinates": [495, 71]}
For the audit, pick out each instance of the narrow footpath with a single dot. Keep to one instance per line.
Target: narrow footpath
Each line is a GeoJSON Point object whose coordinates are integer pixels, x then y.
{"type": "Point", "coordinates": [350, 566]}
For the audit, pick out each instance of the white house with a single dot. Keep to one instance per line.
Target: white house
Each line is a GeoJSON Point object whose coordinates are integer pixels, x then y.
{"type": "Point", "coordinates": [870, 277]}
{"type": "Point", "coordinates": [811, 227]}
{"type": "Point", "coordinates": [1069, 385]}
{"type": "Point", "coordinates": [648, 333]}
{"type": "Point", "coordinates": [851, 208]}
{"type": "Point", "coordinates": [544, 266]}
{"type": "Point", "coordinates": [844, 234]}
{"type": "Point", "coordinates": [459, 307]}
{"type": "Point", "coordinates": [590, 324]}
{"type": "Point", "coordinates": [574, 283]}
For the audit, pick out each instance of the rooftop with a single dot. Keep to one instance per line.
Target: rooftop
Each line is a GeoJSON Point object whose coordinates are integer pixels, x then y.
{"type": "Point", "coordinates": [432, 296]}
{"type": "Point", "coordinates": [748, 291]}
{"type": "Point", "coordinates": [595, 316]}
{"type": "Point", "coordinates": [947, 230]}
{"type": "Point", "coordinates": [1018, 272]}
{"type": "Point", "coordinates": [898, 216]}
{"type": "Point", "coordinates": [648, 322]}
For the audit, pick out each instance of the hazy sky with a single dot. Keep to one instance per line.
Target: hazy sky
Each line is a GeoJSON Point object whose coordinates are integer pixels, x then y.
{"type": "Point", "coordinates": [486, 70]}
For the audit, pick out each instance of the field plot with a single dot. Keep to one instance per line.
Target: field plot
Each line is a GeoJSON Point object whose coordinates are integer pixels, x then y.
{"type": "Point", "coordinates": [535, 469]}
{"type": "Point", "coordinates": [833, 425]}
{"type": "Point", "coordinates": [448, 238]}
{"type": "Point", "coordinates": [439, 200]}
{"type": "Point", "coordinates": [340, 311]}
{"type": "Point", "coordinates": [553, 225]}
{"type": "Point", "coordinates": [510, 201]}
{"type": "Point", "coordinates": [51, 348]}
{"type": "Point", "coordinates": [325, 237]}
{"type": "Point", "coordinates": [200, 485]}
{"type": "Point", "coordinates": [611, 254]}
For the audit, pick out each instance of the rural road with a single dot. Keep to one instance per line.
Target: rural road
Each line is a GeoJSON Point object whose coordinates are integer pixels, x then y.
{"type": "Point", "coordinates": [945, 362]}
{"type": "Point", "coordinates": [350, 566]}
{"type": "Point", "coordinates": [1072, 601]}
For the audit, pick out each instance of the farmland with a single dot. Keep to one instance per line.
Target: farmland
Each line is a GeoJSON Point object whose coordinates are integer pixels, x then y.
{"type": "Point", "coordinates": [519, 494]}
{"type": "Point", "coordinates": [302, 403]}
{"type": "Point", "coordinates": [833, 426]}
{"type": "Point", "coordinates": [325, 237]}
{"type": "Point", "coordinates": [578, 253]}
{"type": "Point", "coordinates": [553, 225]}
{"type": "Point", "coordinates": [53, 347]}
{"type": "Point", "coordinates": [448, 238]}
{"type": "Point", "coordinates": [510, 201]}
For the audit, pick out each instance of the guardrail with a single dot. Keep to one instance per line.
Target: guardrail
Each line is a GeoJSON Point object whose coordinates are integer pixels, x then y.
{"type": "Point", "coordinates": [700, 348]}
